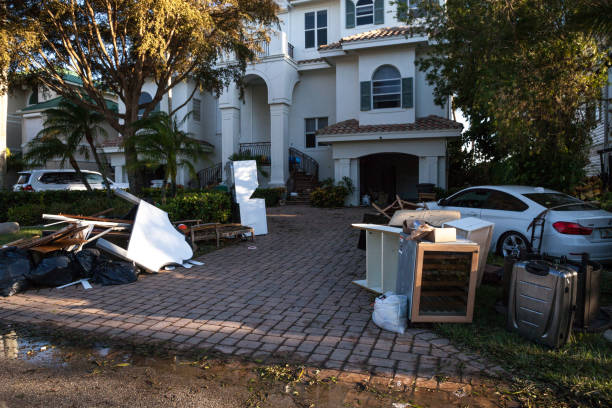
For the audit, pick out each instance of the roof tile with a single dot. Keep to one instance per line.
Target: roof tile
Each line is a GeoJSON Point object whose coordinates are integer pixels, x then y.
{"type": "Point", "coordinates": [431, 122]}
{"type": "Point", "coordinates": [376, 34]}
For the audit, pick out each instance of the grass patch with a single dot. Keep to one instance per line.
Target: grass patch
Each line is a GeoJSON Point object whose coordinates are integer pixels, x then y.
{"type": "Point", "coordinates": [27, 232]}
{"type": "Point", "coordinates": [579, 373]}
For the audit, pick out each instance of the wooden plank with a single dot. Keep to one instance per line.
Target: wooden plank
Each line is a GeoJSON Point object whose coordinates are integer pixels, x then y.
{"type": "Point", "coordinates": [71, 229]}
{"type": "Point", "coordinates": [87, 218]}
{"type": "Point", "coordinates": [102, 212]}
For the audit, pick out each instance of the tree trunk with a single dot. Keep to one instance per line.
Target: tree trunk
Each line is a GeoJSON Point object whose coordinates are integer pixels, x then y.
{"type": "Point", "coordinates": [101, 166]}
{"type": "Point", "coordinates": [134, 171]}
{"type": "Point", "coordinates": [79, 174]}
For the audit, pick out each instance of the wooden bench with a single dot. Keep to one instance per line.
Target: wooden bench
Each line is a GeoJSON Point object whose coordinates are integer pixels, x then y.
{"type": "Point", "coordinates": [203, 232]}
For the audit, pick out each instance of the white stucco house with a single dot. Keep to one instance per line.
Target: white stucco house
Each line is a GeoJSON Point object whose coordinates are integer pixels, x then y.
{"type": "Point", "coordinates": [600, 136]}
{"type": "Point", "coordinates": [334, 94]}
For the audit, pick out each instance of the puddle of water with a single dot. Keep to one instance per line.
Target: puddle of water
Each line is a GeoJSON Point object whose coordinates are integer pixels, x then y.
{"type": "Point", "coordinates": [226, 381]}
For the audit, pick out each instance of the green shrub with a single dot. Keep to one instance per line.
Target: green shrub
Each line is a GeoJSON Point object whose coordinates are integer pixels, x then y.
{"type": "Point", "coordinates": [330, 195]}
{"type": "Point", "coordinates": [271, 195]}
{"type": "Point", "coordinates": [15, 205]}
{"type": "Point", "coordinates": [205, 206]}
{"type": "Point", "coordinates": [26, 214]}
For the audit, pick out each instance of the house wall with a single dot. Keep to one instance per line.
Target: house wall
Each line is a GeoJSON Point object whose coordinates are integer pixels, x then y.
{"type": "Point", "coordinates": [314, 97]}
{"type": "Point", "coordinates": [347, 75]}
{"type": "Point", "coordinates": [296, 21]}
{"type": "Point", "coordinates": [424, 103]}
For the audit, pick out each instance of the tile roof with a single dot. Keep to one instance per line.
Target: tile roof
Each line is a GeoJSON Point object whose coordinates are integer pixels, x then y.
{"type": "Point", "coordinates": [384, 32]}
{"type": "Point", "coordinates": [54, 103]}
{"type": "Point", "coordinates": [430, 122]}
{"type": "Point", "coordinates": [311, 61]}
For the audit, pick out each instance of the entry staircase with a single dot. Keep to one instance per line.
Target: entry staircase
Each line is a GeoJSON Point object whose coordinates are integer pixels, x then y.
{"type": "Point", "coordinates": [303, 169]}
{"type": "Point", "coordinates": [304, 177]}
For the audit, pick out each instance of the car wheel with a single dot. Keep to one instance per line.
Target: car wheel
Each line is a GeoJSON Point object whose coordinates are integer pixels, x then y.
{"type": "Point", "coordinates": [512, 242]}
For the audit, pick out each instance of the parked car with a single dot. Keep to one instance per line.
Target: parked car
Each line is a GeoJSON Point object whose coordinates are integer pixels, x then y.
{"type": "Point", "coordinates": [571, 227]}
{"type": "Point", "coordinates": [46, 180]}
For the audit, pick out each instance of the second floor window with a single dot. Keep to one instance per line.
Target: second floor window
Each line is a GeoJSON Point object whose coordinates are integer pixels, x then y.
{"type": "Point", "coordinates": [365, 12]}
{"type": "Point", "coordinates": [386, 88]}
{"type": "Point", "coordinates": [197, 109]}
{"type": "Point", "coordinates": [315, 29]}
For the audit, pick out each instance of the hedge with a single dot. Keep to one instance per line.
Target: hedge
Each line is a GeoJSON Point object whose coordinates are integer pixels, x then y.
{"type": "Point", "coordinates": [27, 208]}
{"type": "Point", "coordinates": [271, 195]}
{"type": "Point", "coordinates": [209, 206]}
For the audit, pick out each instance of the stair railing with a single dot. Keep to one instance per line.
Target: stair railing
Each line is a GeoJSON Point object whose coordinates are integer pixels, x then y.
{"type": "Point", "coordinates": [300, 161]}
{"type": "Point", "coordinates": [210, 175]}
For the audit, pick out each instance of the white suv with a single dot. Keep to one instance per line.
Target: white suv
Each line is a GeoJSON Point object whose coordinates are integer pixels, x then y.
{"type": "Point", "coordinates": [44, 180]}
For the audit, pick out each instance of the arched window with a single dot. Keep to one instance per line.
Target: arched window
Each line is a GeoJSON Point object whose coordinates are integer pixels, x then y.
{"type": "Point", "coordinates": [33, 100]}
{"type": "Point", "coordinates": [145, 97]}
{"type": "Point", "coordinates": [386, 88]}
{"type": "Point", "coordinates": [365, 12]}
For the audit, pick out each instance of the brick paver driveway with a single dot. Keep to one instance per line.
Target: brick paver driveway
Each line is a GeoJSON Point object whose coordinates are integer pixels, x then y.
{"type": "Point", "coordinates": [290, 296]}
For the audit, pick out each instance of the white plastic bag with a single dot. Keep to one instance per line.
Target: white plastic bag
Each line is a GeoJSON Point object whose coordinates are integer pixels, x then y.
{"type": "Point", "coordinates": [390, 312]}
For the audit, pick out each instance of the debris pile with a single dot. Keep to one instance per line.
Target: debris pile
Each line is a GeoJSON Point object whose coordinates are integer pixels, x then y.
{"type": "Point", "coordinates": [78, 253]}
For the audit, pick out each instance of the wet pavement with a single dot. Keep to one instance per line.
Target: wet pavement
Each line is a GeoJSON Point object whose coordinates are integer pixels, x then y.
{"type": "Point", "coordinates": [46, 367]}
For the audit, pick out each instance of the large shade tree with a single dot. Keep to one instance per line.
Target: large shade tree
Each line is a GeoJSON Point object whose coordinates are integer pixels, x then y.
{"type": "Point", "coordinates": [525, 79]}
{"type": "Point", "coordinates": [116, 46]}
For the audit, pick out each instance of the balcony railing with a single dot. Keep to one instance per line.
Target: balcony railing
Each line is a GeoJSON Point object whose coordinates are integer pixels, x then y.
{"type": "Point", "coordinates": [261, 150]}
{"type": "Point", "coordinates": [290, 49]}
{"type": "Point", "coordinates": [265, 49]}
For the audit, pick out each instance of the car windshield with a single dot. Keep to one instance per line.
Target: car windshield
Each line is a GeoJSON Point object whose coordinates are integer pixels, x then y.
{"type": "Point", "coordinates": [93, 178]}
{"type": "Point", "coordinates": [551, 200]}
{"type": "Point", "coordinates": [23, 178]}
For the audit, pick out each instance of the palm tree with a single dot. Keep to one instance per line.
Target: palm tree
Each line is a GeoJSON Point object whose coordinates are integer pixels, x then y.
{"type": "Point", "coordinates": [159, 139]}
{"type": "Point", "coordinates": [75, 123]}
{"type": "Point", "coordinates": [46, 147]}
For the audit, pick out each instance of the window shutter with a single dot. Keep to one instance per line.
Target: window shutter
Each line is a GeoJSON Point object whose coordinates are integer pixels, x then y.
{"type": "Point", "coordinates": [366, 96]}
{"type": "Point", "coordinates": [350, 14]}
{"type": "Point", "coordinates": [379, 11]}
{"type": "Point", "coordinates": [407, 93]}
{"type": "Point", "coordinates": [402, 10]}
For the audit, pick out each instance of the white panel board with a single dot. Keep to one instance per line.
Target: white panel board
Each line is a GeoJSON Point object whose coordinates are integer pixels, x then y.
{"type": "Point", "coordinates": [252, 210]}
{"type": "Point", "coordinates": [253, 214]}
{"type": "Point", "coordinates": [154, 241]}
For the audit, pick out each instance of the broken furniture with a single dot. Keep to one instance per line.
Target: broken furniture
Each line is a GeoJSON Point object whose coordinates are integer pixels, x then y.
{"type": "Point", "coordinates": [216, 231]}
{"type": "Point", "coordinates": [382, 245]}
{"type": "Point", "coordinates": [475, 230]}
{"type": "Point", "coordinates": [396, 205]}
{"type": "Point", "coordinates": [252, 210]}
{"type": "Point", "coordinates": [439, 279]}
{"type": "Point", "coordinates": [542, 301]}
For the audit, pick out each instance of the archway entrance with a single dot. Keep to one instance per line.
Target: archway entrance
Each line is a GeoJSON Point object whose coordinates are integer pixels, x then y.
{"type": "Point", "coordinates": [385, 175]}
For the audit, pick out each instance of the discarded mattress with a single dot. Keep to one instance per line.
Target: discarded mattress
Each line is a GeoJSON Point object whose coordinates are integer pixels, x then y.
{"type": "Point", "coordinates": [433, 217]}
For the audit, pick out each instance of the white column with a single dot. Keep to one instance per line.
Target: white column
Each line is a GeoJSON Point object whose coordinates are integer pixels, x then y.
{"type": "Point", "coordinates": [348, 168]}
{"type": "Point", "coordinates": [118, 174]}
{"type": "Point", "coordinates": [428, 169]}
{"type": "Point", "coordinates": [442, 172]}
{"type": "Point", "coordinates": [355, 176]}
{"type": "Point", "coordinates": [279, 149]}
{"type": "Point", "coordinates": [3, 136]}
{"type": "Point", "coordinates": [230, 134]}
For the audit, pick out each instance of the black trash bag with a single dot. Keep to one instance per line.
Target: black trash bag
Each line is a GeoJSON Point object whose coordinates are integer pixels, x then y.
{"type": "Point", "coordinates": [115, 273]}
{"type": "Point", "coordinates": [86, 261]}
{"type": "Point", "coordinates": [15, 265]}
{"type": "Point", "coordinates": [56, 270]}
